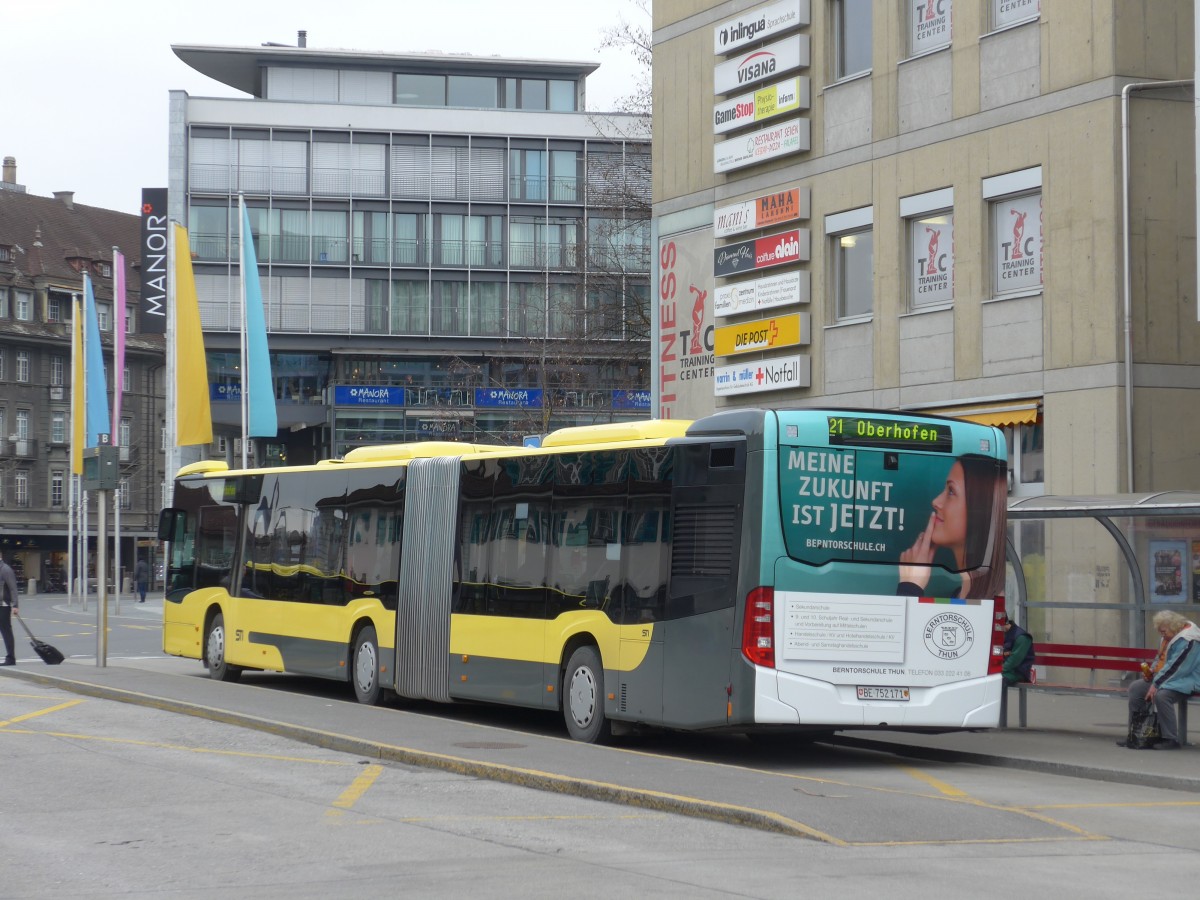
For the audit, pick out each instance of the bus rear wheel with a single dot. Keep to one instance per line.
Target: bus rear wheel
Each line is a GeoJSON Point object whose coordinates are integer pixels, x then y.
{"type": "Point", "coordinates": [365, 671]}
{"type": "Point", "coordinates": [583, 697]}
{"type": "Point", "coordinates": [214, 652]}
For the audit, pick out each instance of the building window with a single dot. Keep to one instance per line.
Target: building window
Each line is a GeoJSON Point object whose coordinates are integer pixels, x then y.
{"type": "Point", "coordinates": [852, 257]}
{"type": "Point", "coordinates": [420, 90]}
{"type": "Point", "coordinates": [527, 174]}
{"type": "Point", "coordinates": [330, 240]}
{"type": "Point", "coordinates": [929, 25]}
{"type": "Point", "coordinates": [411, 239]}
{"type": "Point", "coordinates": [471, 91]}
{"type": "Point", "coordinates": [851, 37]}
{"type": "Point", "coordinates": [23, 366]}
{"type": "Point", "coordinates": [24, 306]}
{"type": "Point", "coordinates": [126, 494]}
{"type": "Point", "coordinates": [3, 303]}
{"type": "Point", "coordinates": [58, 427]}
{"type": "Point", "coordinates": [104, 316]}
{"type": "Point", "coordinates": [410, 307]}
{"type": "Point", "coordinates": [1010, 12]}
{"type": "Point", "coordinates": [21, 489]}
{"type": "Point", "coordinates": [124, 432]}
{"type": "Point", "coordinates": [58, 371]}
{"type": "Point", "coordinates": [126, 380]}
{"type": "Point", "coordinates": [22, 424]}
{"type": "Point", "coordinates": [208, 232]}
{"type": "Point", "coordinates": [54, 308]}
{"type": "Point", "coordinates": [1016, 241]}
{"type": "Point", "coordinates": [56, 488]}
{"type": "Point", "coordinates": [929, 224]}
{"type": "Point", "coordinates": [1, 368]}
{"type": "Point", "coordinates": [566, 167]}
{"type": "Point", "coordinates": [163, 438]}
{"type": "Point", "coordinates": [1026, 459]}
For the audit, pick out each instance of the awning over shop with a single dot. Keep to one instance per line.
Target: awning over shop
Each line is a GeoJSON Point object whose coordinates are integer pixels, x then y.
{"type": "Point", "coordinates": [1019, 412]}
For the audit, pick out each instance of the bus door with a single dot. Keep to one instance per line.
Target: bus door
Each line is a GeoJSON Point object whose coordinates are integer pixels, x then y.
{"type": "Point", "coordinates": [707, 504]}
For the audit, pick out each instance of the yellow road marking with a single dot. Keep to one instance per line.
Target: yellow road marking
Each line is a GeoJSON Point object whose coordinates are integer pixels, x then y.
{"type": "Point", "coordinates": [361, 784]}
{"type": "Point", "coordinates": [956, 795]}
{"type": "Point", "coordinates": [41, 712]}
{"type": "Point", "coordinates": [1147, 804]}
{"type": "Point", "coordinates": [936, 783]}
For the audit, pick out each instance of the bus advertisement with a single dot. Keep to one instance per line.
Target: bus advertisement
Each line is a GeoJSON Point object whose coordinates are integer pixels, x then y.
{"type": "Point", "coordinates": [790, 571]}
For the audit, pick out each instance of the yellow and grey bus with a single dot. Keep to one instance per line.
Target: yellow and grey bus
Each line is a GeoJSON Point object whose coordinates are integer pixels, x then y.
{"type": "Point", "coordinates": [763, 571]}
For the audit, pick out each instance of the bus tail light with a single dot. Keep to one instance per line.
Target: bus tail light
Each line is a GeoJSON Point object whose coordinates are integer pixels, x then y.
{"type": "Point", "coordinates": [999, 617]}
{"type": "Point", "coordinates": [758, 630]}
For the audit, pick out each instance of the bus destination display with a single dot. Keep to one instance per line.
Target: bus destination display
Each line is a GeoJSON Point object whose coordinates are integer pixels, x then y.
{"type": "Point", "coordinates": [891, 434]}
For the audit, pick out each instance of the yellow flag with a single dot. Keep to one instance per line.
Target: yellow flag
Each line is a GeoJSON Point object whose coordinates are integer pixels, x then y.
{"type": "Point", "coordinates": [193, 422]}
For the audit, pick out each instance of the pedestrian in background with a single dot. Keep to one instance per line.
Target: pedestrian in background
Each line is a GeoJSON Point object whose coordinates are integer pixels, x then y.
{"type": "Point", "coordinates": [1019, 655]}
{"type": "Point", "coordinates": [9, 601]}
{"type": "Point", "coordinates": [141, 577]}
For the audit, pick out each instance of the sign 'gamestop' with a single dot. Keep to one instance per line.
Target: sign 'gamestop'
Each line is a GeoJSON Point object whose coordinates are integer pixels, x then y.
{"type": "Point", "coordinates": [761, 64]}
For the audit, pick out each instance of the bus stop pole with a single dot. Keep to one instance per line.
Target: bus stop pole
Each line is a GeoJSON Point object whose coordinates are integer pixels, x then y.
{"type": "Point", "coordinates": [102, 579]}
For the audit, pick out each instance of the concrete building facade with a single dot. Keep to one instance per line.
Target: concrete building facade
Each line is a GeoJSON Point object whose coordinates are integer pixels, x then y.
{"type": "Point", "coordinates": [990, 133]}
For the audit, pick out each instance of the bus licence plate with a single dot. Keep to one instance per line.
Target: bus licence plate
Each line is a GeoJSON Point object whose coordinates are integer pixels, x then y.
{"type": "Point", "coordinates": [883, 693]}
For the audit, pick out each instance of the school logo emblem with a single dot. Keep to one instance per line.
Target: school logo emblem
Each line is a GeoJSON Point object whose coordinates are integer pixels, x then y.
{"type": "Point", "coordinates": [949, 636]}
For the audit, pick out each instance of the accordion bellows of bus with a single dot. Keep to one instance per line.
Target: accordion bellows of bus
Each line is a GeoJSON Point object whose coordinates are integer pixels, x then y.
{"type": "Point", "coordinates": [790, 571]}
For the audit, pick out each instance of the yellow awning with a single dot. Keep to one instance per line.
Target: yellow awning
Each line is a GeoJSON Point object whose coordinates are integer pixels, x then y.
{"type": "Point", "coordinates": [999, 414]}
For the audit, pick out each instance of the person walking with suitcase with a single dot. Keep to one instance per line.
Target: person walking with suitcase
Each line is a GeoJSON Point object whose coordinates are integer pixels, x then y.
{"type": "Point", "coordinates": [9, 601]}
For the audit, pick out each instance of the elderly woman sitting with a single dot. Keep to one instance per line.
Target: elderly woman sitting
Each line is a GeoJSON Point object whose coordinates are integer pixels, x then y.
{"type": "Point", "coordinates": [1174, 675]}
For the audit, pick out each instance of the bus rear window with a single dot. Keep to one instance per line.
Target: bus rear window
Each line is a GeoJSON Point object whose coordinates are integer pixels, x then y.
{"type": "Point", "coordinates": [867, 505]}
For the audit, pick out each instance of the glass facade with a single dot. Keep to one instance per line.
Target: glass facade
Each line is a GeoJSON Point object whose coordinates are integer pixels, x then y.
{"type": "Point", "coordinates": [469, 253]}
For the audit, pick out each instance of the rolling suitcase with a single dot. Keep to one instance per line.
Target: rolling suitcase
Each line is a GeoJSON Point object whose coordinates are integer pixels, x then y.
{"type": "Point", "coordinates": [51, 656]}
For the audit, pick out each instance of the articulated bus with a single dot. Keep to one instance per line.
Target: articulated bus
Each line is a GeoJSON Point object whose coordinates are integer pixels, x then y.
{"type": "Point", "coordinates": [790, 571]}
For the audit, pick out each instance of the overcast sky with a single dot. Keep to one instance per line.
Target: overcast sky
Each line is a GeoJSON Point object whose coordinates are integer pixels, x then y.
{"type": "Point", "coordinates": [86, 82]}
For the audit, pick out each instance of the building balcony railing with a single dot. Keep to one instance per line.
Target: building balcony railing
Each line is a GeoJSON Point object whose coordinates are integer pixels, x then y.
{"type": "Point", "coordinates": [18, 448]}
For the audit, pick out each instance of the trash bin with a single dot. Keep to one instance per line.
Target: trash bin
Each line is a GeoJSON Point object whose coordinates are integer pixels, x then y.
{"type": "Point", "coordinates": [31, 586]}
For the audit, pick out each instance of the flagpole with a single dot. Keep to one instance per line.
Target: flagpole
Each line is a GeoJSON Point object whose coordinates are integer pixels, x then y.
{"type": "Point", "coordinates": [72, 486]}
{"type": "Point", "coordinates": [119, 327]}
{"type": "Point", "coordinates": [245, 393]}
{"type": "Point", "coordinates": [85, 529]}
{"type": "Point", "coordinates": [171, 454]}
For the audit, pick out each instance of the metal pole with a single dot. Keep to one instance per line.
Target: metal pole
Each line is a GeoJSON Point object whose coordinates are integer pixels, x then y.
{"type": "Point", "coordinates": [117, 586]}
{"type": "Point", "coordinates": [83, 546]}
{"type": "Point", "coordinates": [102, 580]}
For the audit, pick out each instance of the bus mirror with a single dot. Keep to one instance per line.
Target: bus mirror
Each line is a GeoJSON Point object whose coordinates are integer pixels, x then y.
{"type": "Point", "coordinates": [166, 523]}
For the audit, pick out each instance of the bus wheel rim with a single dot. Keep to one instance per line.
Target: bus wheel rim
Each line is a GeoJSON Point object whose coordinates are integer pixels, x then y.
{"type": "Point", "coordinates": [366, 667]}
{"type": "Point", "coordinates": [216, 646]}
{"type": "Point", "coordinates": [583, 697]}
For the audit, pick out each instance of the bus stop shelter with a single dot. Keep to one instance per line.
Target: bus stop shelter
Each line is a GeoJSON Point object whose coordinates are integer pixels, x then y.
{"type": "Point", "coordinates": [1095, 570]}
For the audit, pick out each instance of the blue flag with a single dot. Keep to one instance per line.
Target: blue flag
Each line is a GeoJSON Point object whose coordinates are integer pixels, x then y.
{"type": "Point", "coordinates": [96, 384]}
{"type": "Point", "coordinates": [258, 381]}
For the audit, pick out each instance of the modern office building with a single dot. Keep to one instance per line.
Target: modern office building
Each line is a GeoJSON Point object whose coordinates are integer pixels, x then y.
{"type": "Point", "coordinates": [46, 245]}
{"type": "Point", "coordinates": [964, 251]}
{"type": "Point", "coordinates": [983, 208]}
{"type": "Point", "coordinates": [450, 246]}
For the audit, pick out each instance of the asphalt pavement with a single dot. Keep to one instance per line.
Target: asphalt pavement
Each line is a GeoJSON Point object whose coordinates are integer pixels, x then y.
{"type": "Point", "coordinates": [1068, 735]}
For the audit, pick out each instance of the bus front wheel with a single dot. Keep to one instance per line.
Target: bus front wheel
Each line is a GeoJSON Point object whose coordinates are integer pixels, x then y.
{"type": "Point", "coordinates": [214, 652]}
{"type": "Point", "coordinates": [365, 671]}
{"type": "Point", "coordinates": [583, 697]}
